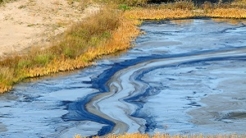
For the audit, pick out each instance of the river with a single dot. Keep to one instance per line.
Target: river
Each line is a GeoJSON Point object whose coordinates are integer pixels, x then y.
{"type": "Point", "coordinates": [181, 77]}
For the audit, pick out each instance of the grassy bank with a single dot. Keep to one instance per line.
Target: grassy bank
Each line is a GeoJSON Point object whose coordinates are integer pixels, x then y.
{"type": "Point", "coordinates": [109, 31]}
{"type": "Point", "coordinates": [187, 9]}
{"type": "Point", "coordinates": [104, 33]}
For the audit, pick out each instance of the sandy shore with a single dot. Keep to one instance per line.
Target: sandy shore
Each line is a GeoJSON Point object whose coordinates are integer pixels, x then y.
{"type": "Point", "coordinates": [31, 23]}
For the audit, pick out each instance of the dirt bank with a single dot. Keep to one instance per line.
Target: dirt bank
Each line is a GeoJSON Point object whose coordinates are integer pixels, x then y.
{"type": "Point", "coordinates": [31, 23]}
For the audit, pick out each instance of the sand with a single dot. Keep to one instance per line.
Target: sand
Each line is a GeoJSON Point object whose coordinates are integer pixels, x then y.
{"type": "Point", "coordinates": [31, 23]}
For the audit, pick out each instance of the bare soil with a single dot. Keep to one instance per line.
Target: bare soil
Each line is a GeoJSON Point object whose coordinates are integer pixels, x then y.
{"type": "Point", "coordinates": [31, 23]}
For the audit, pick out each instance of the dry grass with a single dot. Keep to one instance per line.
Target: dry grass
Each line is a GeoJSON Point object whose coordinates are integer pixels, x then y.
{"type": "Point", "coordinates": [237, 13]}
{"type": "Point", "coordinates": [187, 9]}
{"type": "Point", "coordinates": [138, 135]}
{"type": "Point", "coordinates": [104, 33]}
{"type": "Point", "coordinates": [239, 3]}
{"type": "Point", "coordinates": [157, 14]}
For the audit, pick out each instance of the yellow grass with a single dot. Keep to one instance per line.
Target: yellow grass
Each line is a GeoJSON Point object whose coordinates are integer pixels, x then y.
{"type": "Point", "coordinates": [237, 13]}
{"type": "Point", "coordinates": [157, 14]}
{"type": "Point", "coordinates": [166, 13]}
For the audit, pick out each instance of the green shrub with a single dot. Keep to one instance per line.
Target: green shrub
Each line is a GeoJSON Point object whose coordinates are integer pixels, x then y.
{"type": "Point", "coordinates": [124, 7]}
{"type": "Point", "coordinates": [24, 63]}
{"type": "Point", "coordinates": [42, 59]}
{"type": "Point", "coordinates": [128, 2]}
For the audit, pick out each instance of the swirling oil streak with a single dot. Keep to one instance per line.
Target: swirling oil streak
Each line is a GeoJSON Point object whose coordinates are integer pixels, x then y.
{"type": "Point", "coordinates": [126, 84]}
{"type": "Point", "coordinates": [77, 112]}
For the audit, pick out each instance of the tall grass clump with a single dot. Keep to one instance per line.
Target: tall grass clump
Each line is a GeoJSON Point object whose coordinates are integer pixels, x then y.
{"type": "Point", "coordinates": [91, 33]}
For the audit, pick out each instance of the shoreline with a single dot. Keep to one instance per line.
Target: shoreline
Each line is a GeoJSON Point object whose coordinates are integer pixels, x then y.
{"type": "Point", "coordinates": [121, 39]}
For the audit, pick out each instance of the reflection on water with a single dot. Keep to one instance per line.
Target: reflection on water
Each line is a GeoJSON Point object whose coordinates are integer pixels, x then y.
{"type": "Point", "coordinates": [229, 21]}
{"type": "Point", "coordinates": [183, 76]}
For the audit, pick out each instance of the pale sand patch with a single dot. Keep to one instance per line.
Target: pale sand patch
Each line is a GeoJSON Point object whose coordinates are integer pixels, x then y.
{"type": "Point", "coordinates": [30, 23]}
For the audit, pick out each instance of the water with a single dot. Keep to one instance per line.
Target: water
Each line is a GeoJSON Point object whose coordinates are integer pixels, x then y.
{"type": "Point", "coordinates": [182, 77]}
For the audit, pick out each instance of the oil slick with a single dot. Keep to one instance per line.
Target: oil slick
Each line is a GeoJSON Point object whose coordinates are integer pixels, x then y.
{"type": "Point", "coordinates": [180, 78]}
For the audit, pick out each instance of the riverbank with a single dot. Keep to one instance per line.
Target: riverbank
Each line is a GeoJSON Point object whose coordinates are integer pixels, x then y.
{"type": "Point", "coordinates": [100, 34]}
{"type": "Point", "coordinates": [78, 44]}
{"type": "Point", "coordinates": [26, 26]}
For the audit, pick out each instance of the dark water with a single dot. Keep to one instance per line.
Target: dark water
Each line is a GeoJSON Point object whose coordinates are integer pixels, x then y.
{"type": "Point", "coordinates": [183, 76]}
